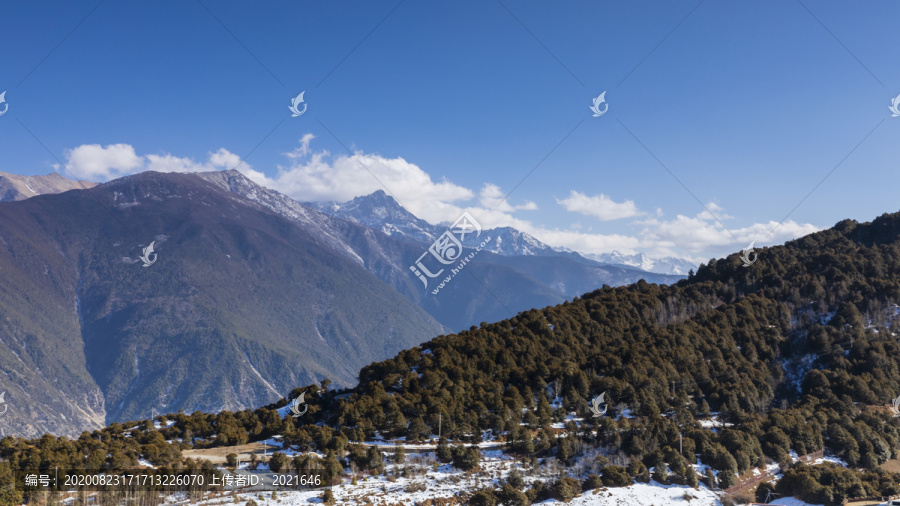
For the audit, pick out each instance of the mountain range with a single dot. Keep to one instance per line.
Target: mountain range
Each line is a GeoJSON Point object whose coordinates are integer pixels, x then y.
{"type": "Point", "coordinates": [662, 265]}
{"type": "Point", "coordinates": [382, 212]}
{"type": "Point", "coordinates": [239, 305]}
{"type": "Point", "coordinates": [248, 293]}
{"type": "Point", "coordinates": [514, 272]}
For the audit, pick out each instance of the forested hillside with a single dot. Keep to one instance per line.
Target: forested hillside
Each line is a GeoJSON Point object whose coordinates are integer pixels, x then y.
{"type": "Point", "coordinates": [795, 353]}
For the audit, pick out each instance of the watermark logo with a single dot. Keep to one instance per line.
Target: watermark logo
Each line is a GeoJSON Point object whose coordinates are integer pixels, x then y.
{"type": "Point", "coordinates": [5, 104]}
{"type": "Point", "coordinates": [748, 257]}
{"type": "Point", "coordinates": [894, 108]}
{"type": "Point", "coordinates": [3, 402]}
{"type": "Point", "coordinates": [595, 405]}
{"type": "Point", "coordinates": [895, 407]}
{"type": "Point", "coordinates": [146, 256]}
{"type": "Point", "coordinates": [295, 104]}
{"type": "Point", "coordinates": [447, 250]}
{"type": "Point", "coordinates": [600, 100]}
{"type": "Point", "coordinates": [295, 406]}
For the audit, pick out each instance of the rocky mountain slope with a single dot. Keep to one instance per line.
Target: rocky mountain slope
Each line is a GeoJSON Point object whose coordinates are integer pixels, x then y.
{"type": "Point", "coordinates": [16, 187]}
{"type": "Point", "coordinates": [240, 305]}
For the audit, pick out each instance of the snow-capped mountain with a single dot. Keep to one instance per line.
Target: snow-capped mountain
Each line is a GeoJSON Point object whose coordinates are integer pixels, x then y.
{"type": "Point", "coordinates": [663, 265]}
{"type": "Point", "coordinates": [512, 242]}
{"type": "Point", "coordinates": [381, 212]}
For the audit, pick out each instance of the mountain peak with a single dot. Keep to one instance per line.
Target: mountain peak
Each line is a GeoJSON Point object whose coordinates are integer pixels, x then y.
{"type": "Point", "coordinates": [380, 211]}
{"type": "Point", "coordinates": [662, 265]}
{"type": "Point", "coordinates": [378, 198]}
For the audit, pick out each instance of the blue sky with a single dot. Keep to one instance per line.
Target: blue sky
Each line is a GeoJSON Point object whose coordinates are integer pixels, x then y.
{"type": "Point", "coordinates": [452, 104]}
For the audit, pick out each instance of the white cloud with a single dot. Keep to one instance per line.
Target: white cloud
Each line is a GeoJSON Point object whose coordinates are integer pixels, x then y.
{"type": "Point", "coordinates": [491, 196]}
{"type": "Point", "coordinates": [704, 233]}
{"type": "Point", "coordinates": [587, 242]}
{"type": "Point", "coordinates": [92, 161]}
{"type": "Point", "coordinates": [318, 176]}
{"type": "Point", "coordinates": [696, 238]}
{"type": "Point", "coordinates": [303, 150]}
{"type": "Point", "coordinates": [599, 206]}
{"type": "Point", "coordinates": [98, 163]}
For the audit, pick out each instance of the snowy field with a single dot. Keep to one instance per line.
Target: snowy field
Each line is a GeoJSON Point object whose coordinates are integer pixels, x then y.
{"type": "Point", "coordinates": [646, 494]}
{"type": "Point", "coordinates": [430, 481]}
{"type": "Point", "coordinates": [421, 480]}
{"type": "Point", "coordinates": [372, 493]}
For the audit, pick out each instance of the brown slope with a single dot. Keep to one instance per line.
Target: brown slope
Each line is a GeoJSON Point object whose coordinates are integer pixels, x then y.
{"type": "Point", "coordinates": [17, 187]}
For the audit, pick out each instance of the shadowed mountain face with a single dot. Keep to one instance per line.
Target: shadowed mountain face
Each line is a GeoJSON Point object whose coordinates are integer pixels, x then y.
{"type": "Point", "coordinates": [514, 271]}
{"type": "Point", "coordinates": [464, 303]}
{"type": "Point", "coordinates": [15, 187]}
{"type": "Point", "coordinates": [240, 305]}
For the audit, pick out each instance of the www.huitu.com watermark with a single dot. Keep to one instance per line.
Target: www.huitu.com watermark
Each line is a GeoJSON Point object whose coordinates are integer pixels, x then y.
{"type": "Point", "coordinates": [448, 249]}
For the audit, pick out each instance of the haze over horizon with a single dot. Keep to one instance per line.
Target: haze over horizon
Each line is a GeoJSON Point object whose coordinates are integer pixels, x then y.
{"type": "Point", "coordinates": [711, 139]}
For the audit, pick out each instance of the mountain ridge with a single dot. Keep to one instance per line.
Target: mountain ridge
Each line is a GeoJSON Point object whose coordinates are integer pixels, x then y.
{"type": "Point", "coordinates": [663, 265]}
{"type": "Point", "coordinates": [15, 187]}
{"type": "Point", "coordinates": [380, 211]}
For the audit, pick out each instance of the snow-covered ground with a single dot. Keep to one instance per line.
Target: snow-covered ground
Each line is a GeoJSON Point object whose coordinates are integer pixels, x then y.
{"type": "Point", "coordinates": [428, 480]}
{"type": "Point", "coordinates": [833, 460]}
{"type": "Point", "coordinates": [790, 501]}
{"type": "Point", "coordinates": [375, 493]}
{"type": "Point", "coordinates": [713, 422]}
{"type": "Point", "coordinates": [424, 478]}
{"type": "Point", "coordinates": [380, 492]}
{"type": "Point", "coordinates": [645, 494]}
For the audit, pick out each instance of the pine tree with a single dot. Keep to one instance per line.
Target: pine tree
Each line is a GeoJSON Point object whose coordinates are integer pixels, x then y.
{"type": "Point", "coordinates": [661, 472]}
